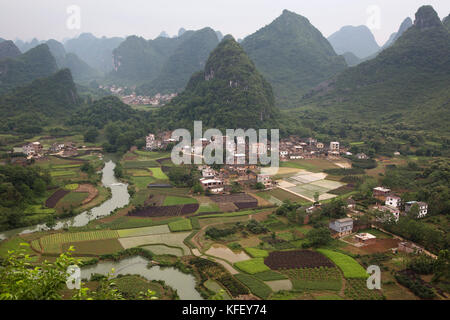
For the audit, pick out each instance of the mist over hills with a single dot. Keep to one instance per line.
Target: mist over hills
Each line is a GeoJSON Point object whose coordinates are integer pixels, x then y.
{"type": "Point", "coordinates": [357, 40]}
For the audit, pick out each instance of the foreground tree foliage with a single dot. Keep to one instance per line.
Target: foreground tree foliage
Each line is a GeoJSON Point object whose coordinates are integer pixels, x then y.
{"type": "Point", "coordinates": [20, 279]}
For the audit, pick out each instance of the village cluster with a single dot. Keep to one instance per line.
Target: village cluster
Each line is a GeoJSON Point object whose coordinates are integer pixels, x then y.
{"type": "Point", "coordinates": [136, 100]}
{"type": "Point", "coordinates": [35, 150]}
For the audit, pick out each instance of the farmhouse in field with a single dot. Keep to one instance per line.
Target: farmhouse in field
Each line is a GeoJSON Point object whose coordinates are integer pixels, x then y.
{"type": "Point", "coordinates": [342, 227]}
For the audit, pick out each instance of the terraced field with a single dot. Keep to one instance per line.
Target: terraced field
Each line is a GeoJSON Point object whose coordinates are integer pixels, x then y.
{"type": "Point", "coordinates": [52, 244]}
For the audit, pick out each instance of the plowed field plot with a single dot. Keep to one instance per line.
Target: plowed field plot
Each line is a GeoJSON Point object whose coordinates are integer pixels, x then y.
{"type": "Point", "coordinates": [296, 259]}
{"type": "Point", "coordinates": [241, 197]}
{"type": "Point", "coordinates": [246, 205]}
{"type": "Point", "coordinates": [54, 198]}
{"type": "Point", "coordinates": [153, 212]}
{"type": "Point", "coordinates": [170, 239]}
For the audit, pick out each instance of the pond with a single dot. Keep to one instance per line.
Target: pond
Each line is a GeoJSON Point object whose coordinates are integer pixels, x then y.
{"type": "Point", "coordinates": [183, 283]}
{"type": "Point", "coordinates": [120, 197]}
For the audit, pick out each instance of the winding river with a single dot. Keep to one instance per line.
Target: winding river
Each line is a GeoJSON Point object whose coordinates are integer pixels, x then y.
{"type": "Point", "coordinates": [183, 283]}
{"type": "Point", "coordinates": [119, 199]}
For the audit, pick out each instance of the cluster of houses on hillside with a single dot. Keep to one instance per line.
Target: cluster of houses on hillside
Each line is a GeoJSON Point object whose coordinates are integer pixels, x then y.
{"type": "Point", "coordinates": [394, 206]}
{"type": "Point", "coordinates": [35, 150]}
{"type": "Point", "coordinates": [292, 148]}
{"type": "Point", "coordinates": [156, 100]}
{"type": "Point", "coordinates": [134, 99]}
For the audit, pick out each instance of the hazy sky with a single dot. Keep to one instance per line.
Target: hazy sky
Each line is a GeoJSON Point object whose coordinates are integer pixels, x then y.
{"type": "Point", "coordinates": [47, 19]}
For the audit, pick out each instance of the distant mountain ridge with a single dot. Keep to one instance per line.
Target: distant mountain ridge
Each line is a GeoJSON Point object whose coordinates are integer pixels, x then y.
{"type": "Point", "coordinates": [163, 65]}
{"type": "Point", "coordinates": [357, 40]}
{"type": "Point", "coordinates": [96, 52]}
{"type": "Point", "coordinates": [406, 24]}
{"type": "Point", "coordinates": [189, 57]}
{"type": "Point", "coordinates": [293, 56]}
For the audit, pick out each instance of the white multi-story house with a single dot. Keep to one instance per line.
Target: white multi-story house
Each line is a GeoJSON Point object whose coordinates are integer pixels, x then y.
{"type": "Point", "coordinates": [334, 146]}
{"type": "Point", "coordinates": [393, 201]}
{"type": "Point", "coordinates": [423, 208]}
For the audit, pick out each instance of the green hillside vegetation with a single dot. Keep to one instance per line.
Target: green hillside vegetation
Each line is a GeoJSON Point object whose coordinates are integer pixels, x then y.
{"type": "Point", "coordinates": [399, 84]}
{"type": "Point", "coordinates": [26, 109]}
{"type": "Point", "coordinates": [137, 59]}
{"type": "Point", "coordinates": [293, 56]}
{"type": "Point", "coordinates": [19, 188]}
{"type": "Point", "coordinates": [229, 93]}
{"type": "Point", "coordinates": [23, 69]}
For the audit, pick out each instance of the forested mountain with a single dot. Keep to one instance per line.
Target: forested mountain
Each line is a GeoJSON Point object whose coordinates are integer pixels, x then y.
{"type": "Point", "coordinates": [405, 84]}
{"type": "Point", "coordinates": [163, 65]}
{"type": "Point", "coordinates": [293, 56]}
{"type": "Point", "coordinates": [357, 40]}
{"type": "Point", "coordinates": [139, 60]}
{"type": "Point", "coordinates": [229, 93]}
{"type": "Point", "coordinates": [406, 24]}
{"type": "Point", "coordinates": [35, 63]}
{"type": "Point", "coordinates": [189, 57]}
{"type": "Point", "coordinates": [96, 52]}
{"type": "Point", "coordinates": [26, 108]}
{"type": "Point", "coordinates": [8, 50]}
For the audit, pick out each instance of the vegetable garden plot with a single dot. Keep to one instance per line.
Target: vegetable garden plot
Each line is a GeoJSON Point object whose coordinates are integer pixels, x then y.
{"type": "Point", "coordinates": [349, 266]}
{"type": "Point", "coordinates": [315, 278]}
{"type": "Point", "coordinates": [55, 197]}
{"type": "Point", "coordinates": [240, 197]}
{"type": "Point", "coordinates": [246, 205]}
{"type": "Point", "coordinates": [296, 259]}
{"type": "Point", "coordinates": [52, 243]}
